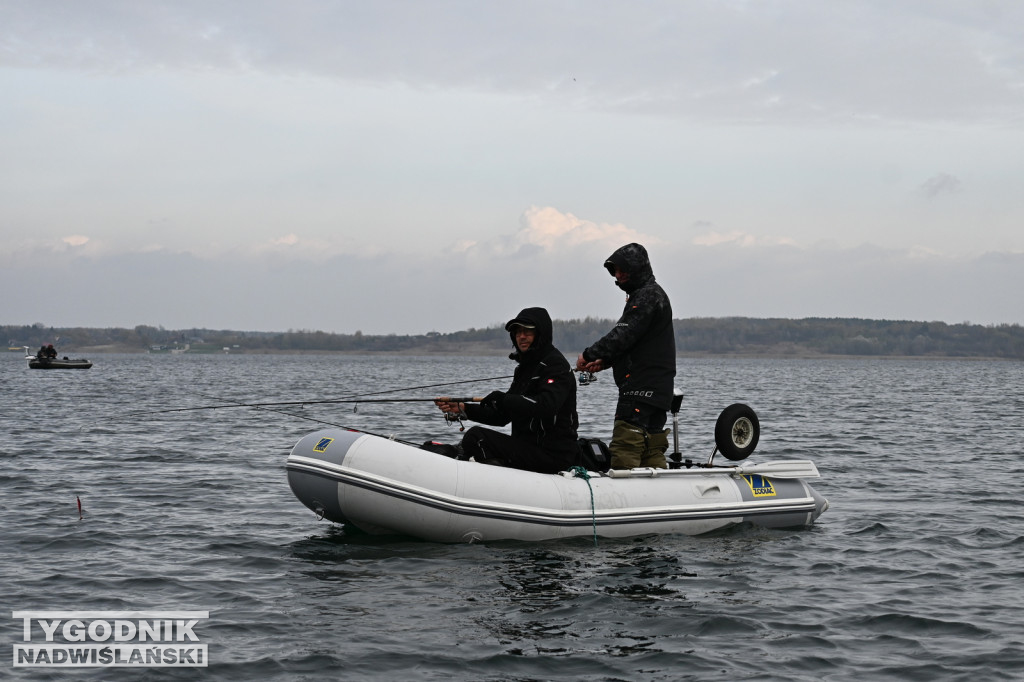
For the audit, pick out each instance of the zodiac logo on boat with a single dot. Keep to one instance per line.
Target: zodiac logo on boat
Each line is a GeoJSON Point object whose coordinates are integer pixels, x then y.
{"type": "Point", "coordinates": [759, 485]}
{"type": "Point", "coordinates": [322, 444]}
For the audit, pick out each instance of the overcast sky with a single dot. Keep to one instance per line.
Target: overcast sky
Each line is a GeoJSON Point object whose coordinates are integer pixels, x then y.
{"type": "Point", "coordinates": [404, 167]}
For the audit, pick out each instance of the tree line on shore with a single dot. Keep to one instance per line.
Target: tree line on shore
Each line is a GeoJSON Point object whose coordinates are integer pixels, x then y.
{"type": "Point", "coordinates": [694, 336]}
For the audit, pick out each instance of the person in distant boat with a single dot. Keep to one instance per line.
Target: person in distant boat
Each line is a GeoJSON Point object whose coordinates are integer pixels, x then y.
{"type": "Point", "coordinates": [641, 350]}
{"type": "Point", "coordinates": [41, 353]}
{"type": "Point", "coordinates": [540, 404]}
{"type": "Point", "coordinates": [51, 352]}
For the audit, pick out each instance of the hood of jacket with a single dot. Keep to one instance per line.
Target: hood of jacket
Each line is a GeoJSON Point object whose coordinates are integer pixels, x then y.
{"type": "Point", "coordinates": [539, 319]}
{"type": "Point", "coordinates": [631, 258]}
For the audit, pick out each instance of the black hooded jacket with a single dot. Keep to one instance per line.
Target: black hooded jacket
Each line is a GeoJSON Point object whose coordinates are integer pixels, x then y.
{"type": "Point", "coordinates": [641, 348]}
{"type": "Point", "coordinates": [541, 402]}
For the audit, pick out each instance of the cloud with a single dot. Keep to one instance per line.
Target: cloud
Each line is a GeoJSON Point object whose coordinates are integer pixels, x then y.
{"type": "Point", "coordinates": [555, 231]}
{"type": "Point", "coordinates": [940, 185]}
{"type": "Point", "coordinates": [760, 80]}
{"type": "Point", "coordinates": [57, 250]}
{"type": "Point", "coordinates": [380, 155]}
{"type": "Point", "coordinates": [287, 240]}
{"type": "Point", "coordinates": [715, 238]}
{"type": "Point", "coordinates": [548, 231]}
{"type": "Point", "coordinates": [445, 291]}
{"type": "Point", "coordinates": [866, 281]}
{"type": "Point", "coordinates": [937, 61]}
{"type": "Point", "coordinates": [739, 238]}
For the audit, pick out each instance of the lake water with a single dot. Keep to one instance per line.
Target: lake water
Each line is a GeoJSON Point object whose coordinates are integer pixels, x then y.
{"type": "Point", "coordinates": [915, 573]}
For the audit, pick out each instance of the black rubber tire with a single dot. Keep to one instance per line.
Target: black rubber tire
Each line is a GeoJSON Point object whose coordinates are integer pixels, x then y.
{"type": "Point", "coordinates": [737, 432]}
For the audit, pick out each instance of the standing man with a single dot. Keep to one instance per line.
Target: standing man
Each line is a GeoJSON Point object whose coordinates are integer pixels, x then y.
{"type": "Point", "coordinates": [641, 350]}
{"type": "Point", "coordinates": [540, 404]}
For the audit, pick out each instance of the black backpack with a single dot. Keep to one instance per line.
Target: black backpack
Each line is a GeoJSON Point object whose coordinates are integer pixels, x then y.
{"type": "Point", "coordinates": [594, 455]}
{"type": "Point", "coordinates": [453, 451]}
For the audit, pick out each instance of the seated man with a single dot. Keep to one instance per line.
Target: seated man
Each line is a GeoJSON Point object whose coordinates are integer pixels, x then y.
{"type": "Point", "coordinates": [540, 404]}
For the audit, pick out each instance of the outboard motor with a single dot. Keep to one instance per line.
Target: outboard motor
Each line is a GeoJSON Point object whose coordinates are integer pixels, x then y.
{"type": "Point", "coordinates": [675, 460]}
{"type": "Point", "coordinates": [736, 434]}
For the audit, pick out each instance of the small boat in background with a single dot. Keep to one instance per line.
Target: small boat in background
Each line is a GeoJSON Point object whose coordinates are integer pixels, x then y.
{"type": "Point", "coordinates": [41, 360]}
{"type": "Point", "coordinates": [58, 363]}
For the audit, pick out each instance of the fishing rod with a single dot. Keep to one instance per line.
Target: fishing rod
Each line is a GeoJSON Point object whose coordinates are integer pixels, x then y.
{"type": "Point", "coordinates": [585, 378]}
{"type": "Point", "coordinates": [414, 388]}
{"type": "Point", "coordinates": [349, 399]}
{"type": "Point", "coordinates": [442, 399]}
{"type": "Point", "coordinates": [287, 414]}
{"type": "Point", "coordinates": [320, 421]}
{"type": "Point", "coordinates": [303, 403]}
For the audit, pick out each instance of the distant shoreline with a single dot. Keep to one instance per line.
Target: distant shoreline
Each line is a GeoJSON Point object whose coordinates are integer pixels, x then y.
{"type": "Point", "coordinates": [733, 337]}
{"type": "Point", "coordinates": [478, 352]}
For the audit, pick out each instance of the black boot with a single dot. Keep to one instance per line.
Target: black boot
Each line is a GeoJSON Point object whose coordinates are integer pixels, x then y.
{"type": "Point", "coordinates": [453, 451]}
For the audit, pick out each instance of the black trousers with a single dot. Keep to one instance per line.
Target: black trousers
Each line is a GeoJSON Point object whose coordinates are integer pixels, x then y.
{"type": "Point", "coordinates": [493, 447]}
{"type": "Point", "coordinates": [647, 417]}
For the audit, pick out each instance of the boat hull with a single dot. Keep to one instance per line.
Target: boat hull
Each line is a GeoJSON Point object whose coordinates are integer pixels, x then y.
{"type": "Point", "coordinates": [58, 363]}
{"type": "Point", "coordinates": [386, 487]}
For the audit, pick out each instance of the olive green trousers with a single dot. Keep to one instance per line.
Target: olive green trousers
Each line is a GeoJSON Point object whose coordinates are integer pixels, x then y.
{"type": "Point", "coordinates": [633, 446]}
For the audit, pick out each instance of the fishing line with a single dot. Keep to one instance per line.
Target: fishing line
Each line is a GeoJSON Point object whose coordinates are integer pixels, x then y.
{"type": "Point", "coordinates": [303, 403]}
{"type": "Point", "coordinates": [318, 421]}
{"type": "Point", "coordinates": [287, 414]}
{"type": "Point", "coordinates": [351, 399]}
{"type": "Point", "coordinates": [414, 388]}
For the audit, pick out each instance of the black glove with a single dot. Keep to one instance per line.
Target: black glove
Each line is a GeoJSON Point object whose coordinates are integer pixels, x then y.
{"type": "Point", "coordinates": [493, 400]}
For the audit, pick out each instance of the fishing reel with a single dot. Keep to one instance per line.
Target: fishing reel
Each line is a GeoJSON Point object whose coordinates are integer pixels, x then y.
{"type": "Point", "coordinates": [587, 378]}
{"type": "Point", "coordinates": [455, 418]}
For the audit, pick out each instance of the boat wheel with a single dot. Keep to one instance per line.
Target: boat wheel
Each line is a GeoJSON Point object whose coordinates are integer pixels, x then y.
{"type": "Point", "coordinates": [737, 431]}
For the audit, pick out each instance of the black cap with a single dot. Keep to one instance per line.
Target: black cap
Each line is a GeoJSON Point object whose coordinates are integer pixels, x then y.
{"type": "Point", "coordinates": [519, 322]}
